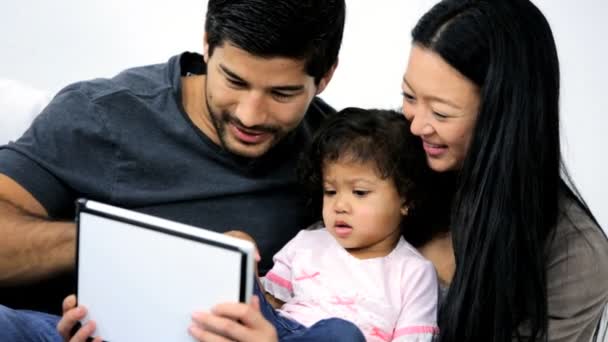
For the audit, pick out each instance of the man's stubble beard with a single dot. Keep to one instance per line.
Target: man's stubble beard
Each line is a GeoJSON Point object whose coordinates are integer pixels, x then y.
{"type": "Point", "coordinates": [220, 122]}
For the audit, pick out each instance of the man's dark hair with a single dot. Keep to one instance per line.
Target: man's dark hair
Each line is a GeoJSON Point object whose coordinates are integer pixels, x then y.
{"type": "Point", "coordinates": [310, 30]}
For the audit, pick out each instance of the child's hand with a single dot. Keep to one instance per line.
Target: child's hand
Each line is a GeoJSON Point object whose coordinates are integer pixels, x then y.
{"type": "Point", "coordinates": [72, 314]}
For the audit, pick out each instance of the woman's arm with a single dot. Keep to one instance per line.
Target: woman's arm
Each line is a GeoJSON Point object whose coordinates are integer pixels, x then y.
{"type": "Point", "coordinates": [440, 252]}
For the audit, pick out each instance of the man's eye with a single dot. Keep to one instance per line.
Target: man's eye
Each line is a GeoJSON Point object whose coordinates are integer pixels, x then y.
{"type": "Point", "coordinates": [236, 83]}
{"type": "Point", "coordinates": [281, 95]}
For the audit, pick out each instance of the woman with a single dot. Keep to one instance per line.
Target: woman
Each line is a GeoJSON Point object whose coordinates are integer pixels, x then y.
{"type": "Point", "coordinates": [482, 91]}
{"type": "Point", "coordinates": [525, 259]}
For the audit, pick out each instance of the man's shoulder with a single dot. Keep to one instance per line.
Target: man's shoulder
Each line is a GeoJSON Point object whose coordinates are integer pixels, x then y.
{"type": "Point", "coordinates": [318, 111]}
{"type": "Point", "coordinates": [141, 81]}
{"type": "Point", "coordinates": [319, 106]}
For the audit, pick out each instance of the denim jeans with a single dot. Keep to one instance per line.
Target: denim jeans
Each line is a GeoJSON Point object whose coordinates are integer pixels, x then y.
{"type": "Point", "coordinates": [26, 326]}
{"type": "Point", "coordinates": [330, 330]}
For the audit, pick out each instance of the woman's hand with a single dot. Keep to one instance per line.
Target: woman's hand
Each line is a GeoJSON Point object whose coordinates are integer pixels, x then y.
{"type": "Point", "coordinates": [233, 322]}
{"type": "Point", "coordinates": [72, 314]}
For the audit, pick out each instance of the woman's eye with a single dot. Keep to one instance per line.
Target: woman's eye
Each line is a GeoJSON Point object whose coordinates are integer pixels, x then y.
{"type": "Point", "coordinates": [408, 97]}
{"type": "Point", "coordinates": [439, 115]}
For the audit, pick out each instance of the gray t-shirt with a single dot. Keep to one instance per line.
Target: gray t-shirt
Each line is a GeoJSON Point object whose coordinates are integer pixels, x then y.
{"type": "Point", "coordinates": [127, 141]}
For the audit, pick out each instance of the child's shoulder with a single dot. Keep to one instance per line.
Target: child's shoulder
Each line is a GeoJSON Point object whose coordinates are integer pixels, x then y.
{"type": "Point", "coordinates": [406, 250]}
{"type": "Point", "coordinates": [314, 233]}
{"type": "Point", "coordinates": [409, 257]}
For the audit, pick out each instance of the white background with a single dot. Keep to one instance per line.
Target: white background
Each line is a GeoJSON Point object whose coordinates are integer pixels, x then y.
{"type": "Point", "coordinates": [48, 44]}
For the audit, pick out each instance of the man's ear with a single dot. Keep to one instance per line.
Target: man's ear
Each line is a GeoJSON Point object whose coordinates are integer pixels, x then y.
{"type": "Point", "coordinates": [205, 49]}
{"type": "Point", "coordinates": [325, 80]}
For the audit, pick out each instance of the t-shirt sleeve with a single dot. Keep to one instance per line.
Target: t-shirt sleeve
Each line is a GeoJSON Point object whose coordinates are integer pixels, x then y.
{"type": "Point", "coordinates": [418, 318]}
{"type": "Point", "coordinates": [278, 281]}
{"type": "Point", "coordinates": [67, 147]}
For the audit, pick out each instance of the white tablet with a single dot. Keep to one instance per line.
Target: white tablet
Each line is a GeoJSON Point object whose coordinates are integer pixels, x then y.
{"type": "Point", "coordinates": [141, 277]}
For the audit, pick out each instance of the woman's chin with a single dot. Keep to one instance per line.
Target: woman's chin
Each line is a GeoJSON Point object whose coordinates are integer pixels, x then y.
{"type": "Point", "coordinates": [441, 164]}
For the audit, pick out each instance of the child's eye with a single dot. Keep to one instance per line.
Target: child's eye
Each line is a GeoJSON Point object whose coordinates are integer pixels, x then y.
{"type": "Point", "coordinates": [329, 192]}
{"type": "Point", "coordinates": [361, 193]}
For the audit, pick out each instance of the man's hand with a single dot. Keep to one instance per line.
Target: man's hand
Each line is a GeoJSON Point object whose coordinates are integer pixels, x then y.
{"type": "Point", "coordinates": [239, 234]}
{"type": "Point", "coordinates": [233, 322]}
{"type": "Point", "coordinates": [72, 314]}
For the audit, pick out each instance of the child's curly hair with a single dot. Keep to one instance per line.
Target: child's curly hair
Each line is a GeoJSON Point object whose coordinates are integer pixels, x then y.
{"type": "Point", "coordinates": [382, 137]}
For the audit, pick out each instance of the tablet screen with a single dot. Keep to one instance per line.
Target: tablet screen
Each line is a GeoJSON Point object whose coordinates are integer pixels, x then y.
{"type": "Point", "coordinates": [141, 277]}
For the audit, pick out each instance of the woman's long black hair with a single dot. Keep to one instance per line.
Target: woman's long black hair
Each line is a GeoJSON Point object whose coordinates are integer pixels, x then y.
{"type": "Point", "coordinates": [506, 203]}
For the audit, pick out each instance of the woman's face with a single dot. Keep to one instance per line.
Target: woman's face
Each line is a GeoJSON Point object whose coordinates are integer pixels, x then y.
{"type": "Point", "coordinates": [442, 106]}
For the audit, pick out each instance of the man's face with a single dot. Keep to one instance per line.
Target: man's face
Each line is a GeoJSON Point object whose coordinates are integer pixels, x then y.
{"type": "Point", "coordinates": [252, 102]}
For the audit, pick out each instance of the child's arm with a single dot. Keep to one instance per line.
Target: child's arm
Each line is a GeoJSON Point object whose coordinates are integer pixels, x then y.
{"type": "Point", "coordinates": [276, 303]}
{"type": "Point", "coordinates": [278, 281]}
{"type": "Point", "coordinates": [418, 318]}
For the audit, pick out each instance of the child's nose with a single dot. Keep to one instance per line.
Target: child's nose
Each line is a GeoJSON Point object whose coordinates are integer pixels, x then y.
{"type": "Point", "coordinates": [341, 204]}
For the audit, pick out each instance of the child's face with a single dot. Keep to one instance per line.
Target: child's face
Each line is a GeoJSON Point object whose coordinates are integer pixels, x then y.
{"type": "Point", "coordinates": [361, 210]}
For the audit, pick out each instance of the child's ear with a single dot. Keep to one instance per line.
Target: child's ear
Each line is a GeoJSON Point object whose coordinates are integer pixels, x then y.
{"type": "Point", "coordinates": [404, 209]}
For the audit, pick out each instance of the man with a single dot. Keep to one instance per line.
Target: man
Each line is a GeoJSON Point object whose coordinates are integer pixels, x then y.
{"type": "Point", "coordinates": [207, 140]}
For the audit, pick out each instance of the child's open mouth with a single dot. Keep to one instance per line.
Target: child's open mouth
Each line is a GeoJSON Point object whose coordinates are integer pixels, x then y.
{"type": "Point", "coordinates": [342, 229]}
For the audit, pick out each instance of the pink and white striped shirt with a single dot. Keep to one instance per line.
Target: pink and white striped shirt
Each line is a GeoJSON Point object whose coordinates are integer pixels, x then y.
{"type": "Point", "coordinates": [392, 298]}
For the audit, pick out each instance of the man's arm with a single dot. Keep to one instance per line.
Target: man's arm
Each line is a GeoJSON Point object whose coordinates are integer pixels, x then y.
{"type": "Point", "coordinates": [32, 246]}
{"type": "Point", "coordinates": [276, 303]}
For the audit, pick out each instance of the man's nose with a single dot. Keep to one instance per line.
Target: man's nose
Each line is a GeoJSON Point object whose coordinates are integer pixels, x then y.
{"type": "Point", "coordinates": [251, 109]}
